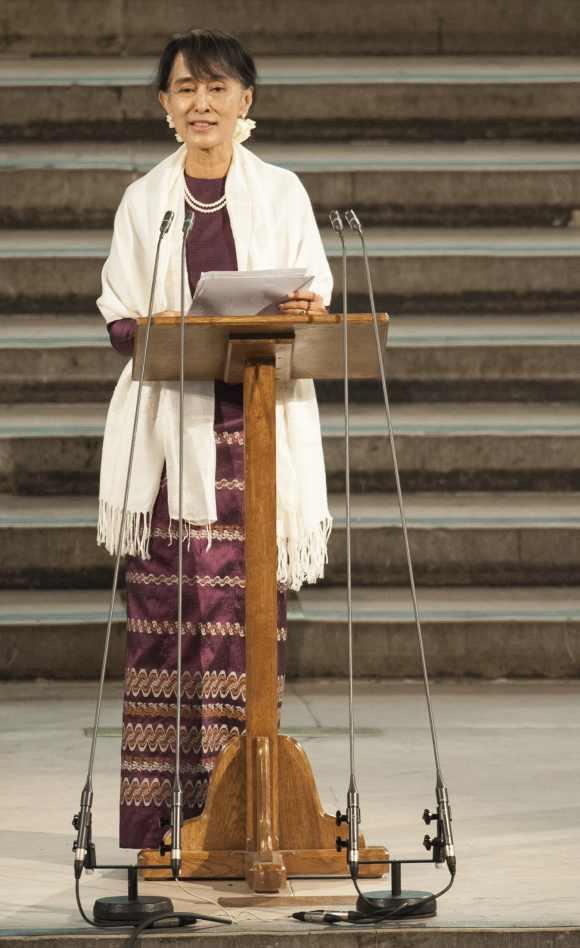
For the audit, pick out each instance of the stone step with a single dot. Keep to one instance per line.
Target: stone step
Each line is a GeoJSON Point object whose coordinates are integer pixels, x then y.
{"type": "Point", "coordinates": [55, 448]}
{"type": "Point", "coordinates": [471, 446]}
{"type": "Point", "coordinates": [64, 27]}
{"type": "Point", "coordinates": [442, 358]}
{"type": "Point", "coordinates": [467, 184]}
{"type": "Point", "coordinates": [473, 358]}
{"type": "Point", "coordinates": [487, 632]}
{"type": "Point", "coordinates": [444, 96]}
{"type": "Point", "coordinates": [500, 539]}
{"type": "Point", "coordinates": [59, 633]}
{"type": "Point", "coordinates": [414, 270]}
{"type": "Point", "coordinates": [481, 631]}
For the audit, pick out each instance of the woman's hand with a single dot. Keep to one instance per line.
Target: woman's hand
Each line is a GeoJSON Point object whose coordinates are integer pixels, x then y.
{"type": "Point", "coordinates": [302, 301]}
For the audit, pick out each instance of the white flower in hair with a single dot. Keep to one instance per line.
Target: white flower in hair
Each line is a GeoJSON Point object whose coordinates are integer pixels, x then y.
{"type": "Point", "coordinates": [171, 123]}
{"type": "Point", "coordinates": [242, 131]}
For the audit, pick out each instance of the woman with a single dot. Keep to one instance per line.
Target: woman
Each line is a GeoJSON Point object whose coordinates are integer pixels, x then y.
{"type": "Point", "coordinates": [249, 215]}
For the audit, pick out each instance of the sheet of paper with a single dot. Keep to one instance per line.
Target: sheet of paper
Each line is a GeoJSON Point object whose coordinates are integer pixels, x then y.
{"type": "Point", "coordinates": [245, 292]}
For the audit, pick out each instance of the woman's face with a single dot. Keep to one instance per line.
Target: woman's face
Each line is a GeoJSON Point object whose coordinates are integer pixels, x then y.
{"type": "Point", "coordinates": [204, 111]}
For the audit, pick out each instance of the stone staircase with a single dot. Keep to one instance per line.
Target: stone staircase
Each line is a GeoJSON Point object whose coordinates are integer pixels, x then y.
{"type": "Point", "coordinates": [462, 157]}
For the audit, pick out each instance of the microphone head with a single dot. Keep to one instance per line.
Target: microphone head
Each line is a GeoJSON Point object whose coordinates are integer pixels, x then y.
{"type": "Point", "coordinates": [188, 223]}
{"type": "Point", "coordinates": [336, 222]}
{"type": "Point", "coordinates": [352, 220]}
{"type": "Point", "coordinates": [166, 222]}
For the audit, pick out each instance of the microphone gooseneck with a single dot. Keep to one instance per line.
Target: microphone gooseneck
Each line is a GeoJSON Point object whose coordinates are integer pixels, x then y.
{"type": "Point", "coordinates": [177, 795]}
{"type": "Point", "coordinates": [352, 804]}
{"type": "Point", "coordinates": [82, 820]}
{"type": "Point", "coordinates": [445, 835]}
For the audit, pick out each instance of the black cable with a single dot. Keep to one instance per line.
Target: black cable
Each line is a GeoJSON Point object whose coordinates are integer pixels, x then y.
{"type": "Point", "coordinates": [404, 910]}
{"type": "Point", "coordinates": [90, 921]}
{"type": "Point", "coordinates": [184, 919]}
{"type": "Point", "coordinates": [136, 929]}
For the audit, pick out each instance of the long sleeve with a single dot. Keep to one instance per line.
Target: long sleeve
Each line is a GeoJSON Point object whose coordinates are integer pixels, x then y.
{"type": "Point", "coordinates": [122, 335]}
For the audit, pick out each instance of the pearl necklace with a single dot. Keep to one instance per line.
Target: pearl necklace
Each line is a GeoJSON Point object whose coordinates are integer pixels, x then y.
{"type": "Point", "coordinates": [199, 206]}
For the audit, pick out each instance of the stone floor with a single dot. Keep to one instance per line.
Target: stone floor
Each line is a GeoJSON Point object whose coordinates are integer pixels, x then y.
{"type": "Point", "coordinates": [509, 752]}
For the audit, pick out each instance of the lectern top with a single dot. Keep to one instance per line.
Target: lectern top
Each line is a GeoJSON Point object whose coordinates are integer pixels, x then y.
{"type": "Point", "coordinates": [267, 320]}
{"type": "Point", "coordinates": [308, 346]}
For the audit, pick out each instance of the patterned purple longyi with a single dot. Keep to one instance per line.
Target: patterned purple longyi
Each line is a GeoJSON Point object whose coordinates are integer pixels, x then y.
{"type": "Point", "coordinates": [213, 646]}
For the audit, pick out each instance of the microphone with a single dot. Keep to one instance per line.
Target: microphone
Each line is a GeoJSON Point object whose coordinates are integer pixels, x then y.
{"type": "Point", "coordinates": [352, 816]}
{"type": "Point", "coordinates": [83, 819]}
{"type": "Point", "coordinates": [338, 228]}
{"type": "Point", "coordinates": [355, 225]}
{"type": "Point", "coordinates": [352, 220]}
{"type": "Point", "coordinates": [163, 229]}
{"type": "Point", "coordinates": [176, 821]}
{"type": "Point", "coordinates": [166, 223]}
{"type": "Point", "coordinates": [353, 822]}
{"type": "Point", "coordinates": [82, 823]}
{"type": "Point", "coordinates": [445, 835]}
{"type": "Point", "coordinates": [177, 794]}
{"type": "Point", "coordinates": [336, 222]}
{"type": "Point", "coordinates": [187, 223]}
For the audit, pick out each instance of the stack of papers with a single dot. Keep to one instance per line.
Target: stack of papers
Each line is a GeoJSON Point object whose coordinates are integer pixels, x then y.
{"type": "Point", "coordinates": [246, 292]}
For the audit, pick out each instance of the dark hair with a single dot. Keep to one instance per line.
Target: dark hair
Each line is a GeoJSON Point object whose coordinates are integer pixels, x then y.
{"type": "Point", "coordinates": [206, 52]}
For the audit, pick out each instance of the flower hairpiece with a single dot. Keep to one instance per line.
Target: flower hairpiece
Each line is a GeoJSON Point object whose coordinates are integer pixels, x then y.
{"type": "Point", "coordinates": [242, 131]}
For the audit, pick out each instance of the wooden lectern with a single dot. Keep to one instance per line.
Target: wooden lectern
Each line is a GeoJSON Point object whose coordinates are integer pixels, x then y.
{"type": "Point", "coordinates": [263, 820]}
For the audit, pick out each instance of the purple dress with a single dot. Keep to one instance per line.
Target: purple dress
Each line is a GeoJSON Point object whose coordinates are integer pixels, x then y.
{"type": "Point", "coordinates": [213, 644]}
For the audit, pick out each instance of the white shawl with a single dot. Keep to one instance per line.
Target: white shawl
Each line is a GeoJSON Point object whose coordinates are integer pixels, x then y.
{"type": "Point", "coordinates": [273, 226]}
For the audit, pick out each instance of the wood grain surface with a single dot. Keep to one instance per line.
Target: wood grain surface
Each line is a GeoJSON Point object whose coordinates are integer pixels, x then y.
{"type": "Point", "coordinates": [317, 351]}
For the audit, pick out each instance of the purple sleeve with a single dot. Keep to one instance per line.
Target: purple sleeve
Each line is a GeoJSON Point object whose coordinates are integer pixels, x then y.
{"type": "Point", "coordinates": [122, 335]}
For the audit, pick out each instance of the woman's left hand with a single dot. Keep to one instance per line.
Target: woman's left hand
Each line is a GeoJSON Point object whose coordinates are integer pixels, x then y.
{"type": "Point", "coordinates": [302, 301]}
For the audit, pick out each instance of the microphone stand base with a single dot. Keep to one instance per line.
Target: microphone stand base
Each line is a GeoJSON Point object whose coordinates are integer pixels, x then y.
{"type": "Point", "coordinates": [385, 901]}
{"type": "Point", "coordinates": [130, 908]}
{"type": "Point", "coordinates": [121, 910]}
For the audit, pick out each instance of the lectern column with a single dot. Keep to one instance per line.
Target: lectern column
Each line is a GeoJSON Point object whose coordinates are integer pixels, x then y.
{"type": "Point", "coordinates": [264, 867]}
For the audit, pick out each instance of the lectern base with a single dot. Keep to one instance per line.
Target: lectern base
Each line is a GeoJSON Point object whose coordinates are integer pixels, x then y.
{"type": "Point", "coordinates": [213, 844]}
